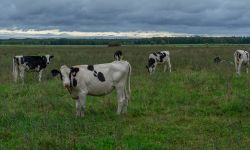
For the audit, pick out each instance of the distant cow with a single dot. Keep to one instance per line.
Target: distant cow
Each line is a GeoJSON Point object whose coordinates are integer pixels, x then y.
{"type": "Point", "coordinates": [162, 57]}
{"type": "Point", "coordinates": [241, 57]}
{"type": "Point", "coordinates": [97, 80]}
{"type": "Point", "coordinates": [33, 63]}
{"type": "Point", "coordinates": [118, 55]}
{"type": "Point", "coordinates": [217, 60]}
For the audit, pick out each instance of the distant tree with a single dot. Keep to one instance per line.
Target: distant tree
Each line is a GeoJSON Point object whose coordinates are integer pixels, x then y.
{"type": "Point", "coordinates": [114, 44]}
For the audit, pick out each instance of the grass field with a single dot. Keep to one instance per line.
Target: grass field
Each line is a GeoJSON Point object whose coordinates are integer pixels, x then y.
{"type": "Point", "coordinates": [199, 105]}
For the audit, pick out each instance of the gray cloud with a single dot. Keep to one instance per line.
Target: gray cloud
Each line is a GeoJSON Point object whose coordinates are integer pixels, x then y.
{"type": "Point", "coordinates": [182, 16]}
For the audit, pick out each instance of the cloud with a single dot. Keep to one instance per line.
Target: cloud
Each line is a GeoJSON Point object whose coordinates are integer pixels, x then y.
{"type": "Point", "coordinates": [179, 16]}
{"type": "Point", "coordinates": [31, 33]}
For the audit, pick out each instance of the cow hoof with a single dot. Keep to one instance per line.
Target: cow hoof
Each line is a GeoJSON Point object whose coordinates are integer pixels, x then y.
{"type": "Point", "coordinates": [80, 114]}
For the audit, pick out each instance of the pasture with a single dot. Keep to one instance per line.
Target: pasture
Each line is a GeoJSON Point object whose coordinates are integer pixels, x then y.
{"type": "Point", "coordinates": [199, 105]}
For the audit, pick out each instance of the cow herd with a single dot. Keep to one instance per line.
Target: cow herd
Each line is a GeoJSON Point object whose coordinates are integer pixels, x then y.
{"type": "Point", "coordinates": [102, 79]}
{"type": "Point", "coordinates": [241, 57]}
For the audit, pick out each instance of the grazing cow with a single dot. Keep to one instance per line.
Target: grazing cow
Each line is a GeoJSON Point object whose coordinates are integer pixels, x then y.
{"type": "Point", "coordinates": [241, 57]}
{"type": "Point", "coordinates": [162, 57]}
{"type": "Point", "coordinates": [33, 63]}
{"type": "Point", "coordinates": [118, 55]}
{"type": "Point", "coordinates": [217, 60]}
{"type": "Point", "coordinates": [96, 80]}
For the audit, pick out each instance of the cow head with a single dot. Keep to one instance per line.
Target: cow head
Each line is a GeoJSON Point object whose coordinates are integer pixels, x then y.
{"type": "Point", "coordinates": [47, 58]}
{"type": "Point", "coordinates": [217, 60]}
{"type": "Point", "coordinates": [64, 74]}
{"type": "Point", "coordinates": [151, 65]}
{"type": "Point", "coordinates": [67, 75]}
{"type": "Point", "coordinates": [118, 55]}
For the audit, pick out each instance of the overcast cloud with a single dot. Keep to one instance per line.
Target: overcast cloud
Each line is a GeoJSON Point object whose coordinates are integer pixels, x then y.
{"type": "Point", "coordinates": [185, 17]}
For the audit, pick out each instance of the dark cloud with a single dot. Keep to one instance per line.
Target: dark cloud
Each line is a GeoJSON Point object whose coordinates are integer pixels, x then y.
{"type": "Point", "coordinates": [185, 16]}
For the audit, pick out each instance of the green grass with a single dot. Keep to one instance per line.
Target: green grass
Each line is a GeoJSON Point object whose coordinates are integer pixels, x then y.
{"type": "Point", "coordinates": [199, 105]}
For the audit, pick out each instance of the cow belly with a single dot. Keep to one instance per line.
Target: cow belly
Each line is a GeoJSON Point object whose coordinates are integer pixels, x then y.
{"type": "Point", "coordinates": [99, 90]}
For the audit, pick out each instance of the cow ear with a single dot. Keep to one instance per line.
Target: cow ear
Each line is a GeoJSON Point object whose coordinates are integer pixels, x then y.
{"type": "Point", "coordinates": [55, 72]}
{"type": "Point", "coordinates": [51, 56]}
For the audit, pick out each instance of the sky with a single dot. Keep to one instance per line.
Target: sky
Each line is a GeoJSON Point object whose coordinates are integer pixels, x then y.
{"type": "Point", "coordinates": [123, 18]}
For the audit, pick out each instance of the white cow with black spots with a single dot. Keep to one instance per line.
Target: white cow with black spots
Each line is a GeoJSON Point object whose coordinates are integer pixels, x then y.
{"type": "Point", "coordinates": [30, 63]}
{"type": "Point", "coordinates": [241, 57]}
{"type": "Point", "coordinates": [162, 57]}
{"type": "Point", "coordinates": [97, 80]}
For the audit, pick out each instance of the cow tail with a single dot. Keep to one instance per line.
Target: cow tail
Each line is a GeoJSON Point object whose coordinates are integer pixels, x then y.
{"type": "Point", "coordinates": [128, 80]}
{"type": "Point", "coordinates": [13, 65]}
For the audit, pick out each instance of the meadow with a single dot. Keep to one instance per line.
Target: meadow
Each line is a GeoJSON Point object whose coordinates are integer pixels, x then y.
{"type": "Point", "coordinates": [200, 105]}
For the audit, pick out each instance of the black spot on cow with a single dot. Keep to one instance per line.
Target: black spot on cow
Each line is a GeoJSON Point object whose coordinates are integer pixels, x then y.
{"type": "Point", "coordinates": [151, 61]}
{"type": "Point", "coordinates": [90, 67]}
{"type": "Point", "coordinates": [34, 62]}
{"type": "Point", "coordinates": [74, 82]}
{"type": "Point", "coordinates": [44, 59]}
{"type": "Point", "coordinates": [95, 73]}
{"type": "Point", "coordinates": [162, 56]}
{"type": "Point", "coordinates": [101, 77]}
{"type": "Point", "coordinates": [22, 60]}
{"type": "Point", "coordinates": [74, 71]}
{"type": "Point", "coordinates": [239, 55]}
{"type": "Point", "coordinates": [16, 61]}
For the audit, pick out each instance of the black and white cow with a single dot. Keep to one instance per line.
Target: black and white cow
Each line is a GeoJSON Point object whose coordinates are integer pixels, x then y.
{"type": "Point", "coordinates": [162, 57]}
{"type": "Point", "coordinates": [218, 60]}
{"type": "Point", "coordinates": [241, 57]}
{"type": "Point", "coordinates": [33, 63]}
{"type": "Point", "coordinates": [118, 55]}
{"type": "Point", "coordinates": [97, 80]}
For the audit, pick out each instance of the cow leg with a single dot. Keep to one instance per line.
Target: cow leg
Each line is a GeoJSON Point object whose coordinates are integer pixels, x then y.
{"type": "Point", "coordinates": [169, 64]}
{"type": "Point", "coordinates": [236, 63]}
{"type": "Point", "coordinates": [121, 98]}
{"type": "Point", "coordinates": [153, 69]}
{"type": "Point", "coordinates": [40, 75]}
{"type": "Point", "coordinates": [80, 105]}
{"type": "Point", "coordinates": [239, 65]}
{"type": "Point", "coordinates": [247, 67]}
{"type": "Point", "coordinates": [165, 67]}
{"type": "Point", "coordinates": [15, 72]}
{"type": "Point", "coordinates": [21, 73]}
{"type": "Point", "coordinates": [125, 103]}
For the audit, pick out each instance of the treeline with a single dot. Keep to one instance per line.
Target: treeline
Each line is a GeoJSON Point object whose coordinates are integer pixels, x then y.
{"type": "Point", "coordinates": [117, 42]}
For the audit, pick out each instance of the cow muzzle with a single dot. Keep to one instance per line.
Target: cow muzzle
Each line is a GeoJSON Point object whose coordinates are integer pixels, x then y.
{"type": "Point", "coordinates": [68, 87]}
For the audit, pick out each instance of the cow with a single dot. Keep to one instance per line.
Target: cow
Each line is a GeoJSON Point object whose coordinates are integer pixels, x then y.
{"type": "Point", "coordinates": [32, 63]}
{"type": "Point", "coordinates": [218, 60]}
{"type": "Point", "coordinates": [162, 57]}
{"type": "Point", "coordinates": [96, 80]}
{"type": "Point", "coordinates": [118, 55]}
{"type": "Point", "coordinates": [241, 57]}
